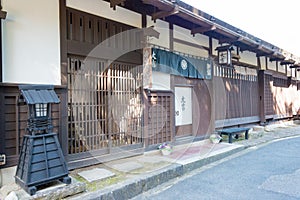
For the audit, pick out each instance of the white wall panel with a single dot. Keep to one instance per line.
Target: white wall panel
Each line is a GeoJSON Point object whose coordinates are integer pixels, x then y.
{"type": "Point", "coordinates": [163, 28]}
{"type": "Point", "coordinates": [248, 57]}
{"type": "Point", "coordinates": [31, 48]}
{"type": "Point", "coordinates": [161, 81]}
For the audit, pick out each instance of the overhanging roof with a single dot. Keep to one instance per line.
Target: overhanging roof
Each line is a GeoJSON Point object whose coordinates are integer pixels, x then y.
{"type": "Point", "coordinates": [184, 15]}
{"type": "Point", "coordinates": [34, 94]}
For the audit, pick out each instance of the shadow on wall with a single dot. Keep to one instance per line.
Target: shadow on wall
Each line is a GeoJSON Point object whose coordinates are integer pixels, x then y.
{"type": "Point", "coordinates": [286, 100]}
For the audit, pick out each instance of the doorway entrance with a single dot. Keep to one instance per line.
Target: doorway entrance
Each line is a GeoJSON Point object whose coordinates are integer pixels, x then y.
{"type": "Point", "coordinates": [183, 111]}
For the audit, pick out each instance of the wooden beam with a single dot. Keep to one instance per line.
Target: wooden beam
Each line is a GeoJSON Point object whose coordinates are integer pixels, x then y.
{"type": "Point", "coordinates": [3, 14]}
{"type": "Point", "coordinates": [163, 14]}
{"type": "Point", "coordinates": [297, 66]}
{"type": "Point", "coordinates": [114, 3]}
{"type": "Point", "coordinates": [287, 62]}
{"type": "Point", "coordinates": [253, 48]}
{"type": "Point", "coordinates": [230, 40]}
{"type": "Point", "coordinates": [202, 30]}
{"type": "Point", "coordinates": [275, 56]}
{"type": "Point", "coordinates": [161, 5]}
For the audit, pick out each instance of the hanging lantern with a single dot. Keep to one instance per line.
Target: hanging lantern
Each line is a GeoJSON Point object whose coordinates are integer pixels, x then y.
{"type": "Point", "coordinates": [224, 55]}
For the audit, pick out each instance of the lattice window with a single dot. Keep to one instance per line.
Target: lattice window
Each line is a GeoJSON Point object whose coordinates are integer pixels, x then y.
{"type": "Point", "coordinates": [269, 102]}
{"type": "Point", "coordinates": [104, 105]}
{"type": "Point", "coordinates": [160, 119]}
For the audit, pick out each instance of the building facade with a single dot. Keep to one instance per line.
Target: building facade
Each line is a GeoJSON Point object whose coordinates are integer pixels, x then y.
{"type": "Point", "coordinates": [131, 74]}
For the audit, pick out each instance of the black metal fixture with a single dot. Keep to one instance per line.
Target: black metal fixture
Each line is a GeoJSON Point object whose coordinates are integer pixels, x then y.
{"type": "Point", "coordinates": [224, 55]}
{"type": "Point", "coordinates": [41, 159]}
{"type": "Point", "coordinates": [2, 159]}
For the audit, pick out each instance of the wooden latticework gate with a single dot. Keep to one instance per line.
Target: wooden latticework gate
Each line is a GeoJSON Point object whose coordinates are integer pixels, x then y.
{"type": "Point", "coordinates": [159, 117]}
{"type": "Point", "coordinates": [105, 108]}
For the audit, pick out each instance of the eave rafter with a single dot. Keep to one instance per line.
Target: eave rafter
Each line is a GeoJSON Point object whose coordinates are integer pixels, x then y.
{"type": "Point", "coordinates": [287, 62]}
{"type": "Point", "coordinates": [164, 14]}
{"type": "Point", "coordinates": [202, 30]}
{"type": "Point", "coordinates": [296, 66]}
{"type": "Point", "coordinates": [230, 40]}
{"type": "Point", "coordinates": [276, 57]}
{"type": "Point", "coordinates": [115, 3]}
{"type": "Point", "coordinates": [3, 14]}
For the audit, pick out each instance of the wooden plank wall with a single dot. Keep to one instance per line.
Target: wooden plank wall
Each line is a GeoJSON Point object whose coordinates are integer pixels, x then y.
{"type": "Point", "coordinates": [242, 96]}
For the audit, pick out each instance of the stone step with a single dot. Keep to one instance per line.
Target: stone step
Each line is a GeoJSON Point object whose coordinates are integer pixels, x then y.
{"type": "Point", "coordinates": [258, 128]}
{"type": "Point", "coordinates": [96, 174]}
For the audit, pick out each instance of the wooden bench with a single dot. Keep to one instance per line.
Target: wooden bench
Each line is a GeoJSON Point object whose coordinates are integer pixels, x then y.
{"type": "Point", "coordinates": [231, 131]}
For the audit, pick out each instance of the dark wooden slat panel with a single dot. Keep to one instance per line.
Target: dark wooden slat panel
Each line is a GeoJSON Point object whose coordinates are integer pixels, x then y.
{"type": "Point", "coordinates": [241, 94]}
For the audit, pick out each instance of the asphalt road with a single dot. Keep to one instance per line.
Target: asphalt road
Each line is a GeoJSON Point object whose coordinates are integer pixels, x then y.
{"type": "Point", "coordinates": [268, 172]}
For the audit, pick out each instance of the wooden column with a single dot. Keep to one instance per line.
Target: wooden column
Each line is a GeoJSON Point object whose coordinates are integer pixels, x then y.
{"type": "Point", "coordinates": [171, 36]}
{"type": "Point", "coordinates": [63, 41]}
{"type": "Point", "coordinates": [261, 91]}
{"type": "Point", "coordinates": [63, 122]}
{"type": "Point", "coordinates": [212, 90]}
{"type": "Point", "coordinates": [144, 97]}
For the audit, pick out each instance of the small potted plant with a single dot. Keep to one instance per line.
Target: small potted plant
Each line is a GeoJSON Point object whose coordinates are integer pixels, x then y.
{"type": "Point", "coordinates": [215, 138]}
{"type": "Point", "coordinates": [165, 148]}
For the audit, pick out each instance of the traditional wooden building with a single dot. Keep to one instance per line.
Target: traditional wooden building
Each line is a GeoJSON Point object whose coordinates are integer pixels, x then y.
{"type": "Point", "coordinates": [131, 74]}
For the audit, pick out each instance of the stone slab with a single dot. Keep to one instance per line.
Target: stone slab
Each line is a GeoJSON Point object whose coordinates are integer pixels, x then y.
{"type": "Point", "coordinates": [127, 166]}
{"type": "Point", "coordinates": [8, 175]}
{"type": "Point", "coordinates": [152, 159]}
{"type": "Point", "coordinates": [96, 174]}
{"type": "Point", "coordinates": [258, 128]}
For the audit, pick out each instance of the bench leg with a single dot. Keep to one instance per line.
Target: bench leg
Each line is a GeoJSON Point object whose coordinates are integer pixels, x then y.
{"type": "Point", "coordinates": [229, 138]}
{"type": "Point", "coordinates": [246, 135]}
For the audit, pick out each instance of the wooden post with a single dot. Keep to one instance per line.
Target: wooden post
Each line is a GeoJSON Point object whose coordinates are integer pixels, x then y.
{"type": "Point", "coordinates": [63, 41]}
{"type": "Point", "coordinates": [63, 124]}
{"type": "Point", "coordinates": [261, 91]}
{"type": "Point", "coordinates": [212, 90]}
{"type": "Point", "coordinates": [171, 36]}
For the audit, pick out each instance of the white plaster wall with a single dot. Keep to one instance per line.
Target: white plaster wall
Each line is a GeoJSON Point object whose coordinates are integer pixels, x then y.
{"type": "Point", "coordinates": [215, 44]}
{"type": "Point", "coordinates": [190, 50]}
{"type": "Point", "coordinates": [263, 63]}
{"type": "Point", "coordinates": [281, 68]}
{"type": "Point", "coordinates": [185, 34]}
{"type": "Point", "coordinates": [103, 9]}
{"type": "Point", "coordinates": [31, 48]}
{"type": "Point", "coordinates": [248, 57]}
{"type": "Point", "coordinates": [298, 75]}
{"type": "Point", "coordinates": [163, 28]}
{"type": "Point", "coordinates": [271, 65]}
{"type": "Point", "coordinates": [161, 81]}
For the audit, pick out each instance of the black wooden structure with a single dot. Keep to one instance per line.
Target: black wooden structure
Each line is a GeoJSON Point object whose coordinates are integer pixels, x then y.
{"type": "Point", "coordinates": [41, 159]}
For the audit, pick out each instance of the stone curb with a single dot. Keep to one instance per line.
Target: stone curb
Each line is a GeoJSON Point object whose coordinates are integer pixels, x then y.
{"type": "Point", "coordinates": [131, 188]}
